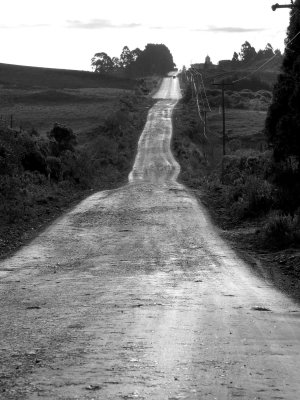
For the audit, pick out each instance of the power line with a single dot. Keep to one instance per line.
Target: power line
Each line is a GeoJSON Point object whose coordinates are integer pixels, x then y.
{"type": "Point", "coordinates": [267, 62]}
{"type": "Point", "coordinates": [253, 72]}
{"type": "Point", "coordinates": [197, 100]}
{"type": "Point", "coordinates": [203, 86]}
{"type": "Point", "coordinates": [193, 73]}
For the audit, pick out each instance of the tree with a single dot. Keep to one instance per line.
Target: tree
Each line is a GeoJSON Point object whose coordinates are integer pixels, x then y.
{"type": "Point", "coordinates": [136, 53]}
{"type": "Point", "coordinates": [247, 53]}
{"type": "Point", "coordinates": [155, 59]}
{"type": "Point", "coordinates": [63, 136]}
{"type": "Point", "coordinates": [102, 63]}
{"type": "Point", "coordinates": [269, 51]}
{"type": "Point", "coordinates": [282, 125]}
{"type": "Point", "coordinates": [126, 57]}
{"type": "Point", "coordinates": [235, 57]}
{"type": "Point", "coordinates": [116, 63]}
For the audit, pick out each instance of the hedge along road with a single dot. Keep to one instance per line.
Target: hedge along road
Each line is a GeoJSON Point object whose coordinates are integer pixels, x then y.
{"type": "Point", "coordinates": [133, 295]}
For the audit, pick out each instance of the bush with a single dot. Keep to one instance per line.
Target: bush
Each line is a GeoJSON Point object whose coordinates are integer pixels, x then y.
{"type": "Point", "coordinates": [249, 197]}
{"type": "Point", "coordinates": [54, 167]}
{"type": "Point", "coordinates": [64, 137]}
{"type": "Point", "coordinates": [259, 194]}
{"type": "Point", "coordinates": [247, 94]}
{"type": "Point", "coordinates": [280, 231]}
{"type": "Point", "coordinates": [245, 162]}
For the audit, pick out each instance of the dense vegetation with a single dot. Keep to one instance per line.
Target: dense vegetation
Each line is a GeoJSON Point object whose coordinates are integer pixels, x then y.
{"type": "Point", "coordinates": [41, 175]}
{"type": "Point", "coordinates": [283, 122]}
{"type": "Point", "coordinates": [154, 59]}
{"type": "Point", "coordinates": [248, 54]}
{"type": "Point", "coordinates": [245, 191]}
{"type": "Point", "coordinates": [235, 188]}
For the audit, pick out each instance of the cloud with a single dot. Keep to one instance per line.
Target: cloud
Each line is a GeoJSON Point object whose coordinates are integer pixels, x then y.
{"type": "Point", "coordinates": [99, 24]}
{"type": "Point", "coordinates": [228, 29]}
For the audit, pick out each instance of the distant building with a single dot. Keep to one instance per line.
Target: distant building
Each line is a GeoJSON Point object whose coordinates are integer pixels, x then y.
{"type": "Point", "coordinates": [204, 66]}
{"type": "Point", "coordinates": [208, 61]}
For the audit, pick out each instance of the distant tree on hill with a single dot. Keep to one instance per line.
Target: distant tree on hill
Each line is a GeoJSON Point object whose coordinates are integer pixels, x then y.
{"type": "Point", "coordinates": [282, 125]}
{"type": "Point", "coordinates": [136, 53]}
{"type": "Point", "coordinates": [247, 53]}
{"type": "Point", "coordinates": [235, 57]}
{"type": "Point", "coordinates": [102, 63]}
{"type": "Point", "coordinates": [126, 57]}
{"type": "Point", "coordinates": [116, 63]}
{"type": "Point", "coordinates": [155, 59]}
{"type": "Point", "coordinates": [269, 51]}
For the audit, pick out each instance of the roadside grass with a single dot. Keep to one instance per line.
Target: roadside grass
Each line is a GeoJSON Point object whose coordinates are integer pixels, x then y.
{"type": "Point", "coordinates": [42, 175]}
{"type": "Point", "coordinates": [234, 188]}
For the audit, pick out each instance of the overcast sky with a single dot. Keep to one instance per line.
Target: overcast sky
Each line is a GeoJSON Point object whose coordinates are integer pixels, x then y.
{"type": "Point", "coordinates": [67, 33]}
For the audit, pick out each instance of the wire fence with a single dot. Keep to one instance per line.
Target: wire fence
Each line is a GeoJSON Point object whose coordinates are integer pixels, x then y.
{"type": "Point", "coordinates": [11, 121]}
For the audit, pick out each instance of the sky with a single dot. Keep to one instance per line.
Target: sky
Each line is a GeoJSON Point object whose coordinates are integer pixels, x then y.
{"type": "Point", "coordinates": [67, 33]}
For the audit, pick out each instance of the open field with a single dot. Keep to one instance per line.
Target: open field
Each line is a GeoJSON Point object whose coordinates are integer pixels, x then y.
{"type": "Point", "coordinates": [18, 76]}
{"type": "Point", "coordinates": [81, 109]}
{"type": "Point", "coordinates": [243, 125]}
{"type": "Point", "coordinates": [36, 98]}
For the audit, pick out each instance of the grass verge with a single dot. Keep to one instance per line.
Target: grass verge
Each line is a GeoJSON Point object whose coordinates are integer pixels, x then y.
{"type": "Point", "coordinates": [234, 189]}
{"type": "Point", "coordinates": [41, 177]}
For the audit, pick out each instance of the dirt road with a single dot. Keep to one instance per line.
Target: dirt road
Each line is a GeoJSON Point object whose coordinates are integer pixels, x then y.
{"type": "Point", "coordinates": [133, 295]}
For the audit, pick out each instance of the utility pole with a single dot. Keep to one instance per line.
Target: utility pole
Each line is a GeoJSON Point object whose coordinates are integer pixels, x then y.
{"type": "Point", "coordinates": [292, 5]}
{"type": "Point", "coordinates": [223, 84]}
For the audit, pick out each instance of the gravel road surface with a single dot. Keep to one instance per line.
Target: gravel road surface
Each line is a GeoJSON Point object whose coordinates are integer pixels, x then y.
{"type": "Point", "coordinates": [133, 295]}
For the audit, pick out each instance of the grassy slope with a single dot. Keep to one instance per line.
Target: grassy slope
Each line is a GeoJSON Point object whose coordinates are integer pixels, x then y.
{"type": "Point", "coordinates": [18, 76]}
{"type": "Point", "coordinates": [39, 97]}
{"type": "Point", "coordinates": [188, 147]}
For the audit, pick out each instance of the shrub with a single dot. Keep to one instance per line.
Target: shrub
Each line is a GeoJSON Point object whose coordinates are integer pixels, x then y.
{"type": "Point", "coordinates": [64, 136]}
{"type": "Point", "coordinates": [264, 93]}
{"type": "Point", "coordinates": [259, 194]}
{"type": "Point", "coordinates": [247, 94]}
{"type": "Point", "coordinates": [54, 167]}
{"type": "Point", "coordinates": [249, 197]}
{"type": "Point", "coordinates": [245, 162]}
{"type": "Point", "coordinates": [34, 161]}
{"type": "Point", "coordinates": [280, 230]}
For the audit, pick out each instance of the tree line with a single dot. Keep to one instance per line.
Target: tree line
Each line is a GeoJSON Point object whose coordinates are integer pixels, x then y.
{"type": "Point", "coordinates": [248, 53]}
{"type": "Point", "coordinates": [154, 59]}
